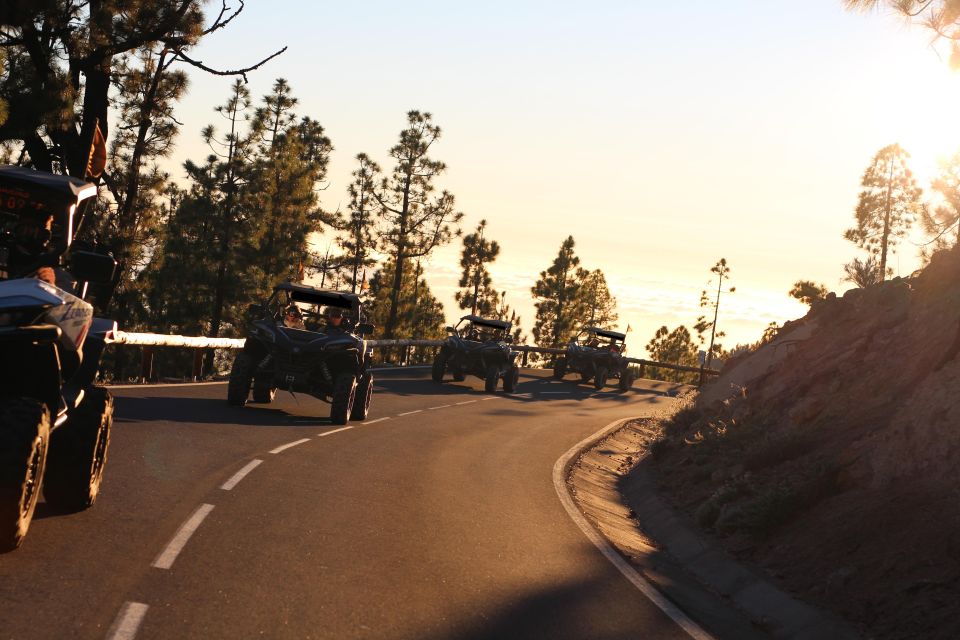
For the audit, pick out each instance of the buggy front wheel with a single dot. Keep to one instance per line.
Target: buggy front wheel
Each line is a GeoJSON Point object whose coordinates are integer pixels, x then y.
{"type": "Point", "coordinates": [362, 398]}
{"type": "Point", "coordinates": [493, 376]}
{"type": "Point", "coordinates": [24, 439]}
{"type": "Point", "coordinates": [341, 401]}
{"type": "Point", "coordinates": [600, 379]}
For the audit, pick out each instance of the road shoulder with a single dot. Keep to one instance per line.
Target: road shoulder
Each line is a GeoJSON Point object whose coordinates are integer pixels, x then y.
{"type": "Point", "coordinates": [613, 488]}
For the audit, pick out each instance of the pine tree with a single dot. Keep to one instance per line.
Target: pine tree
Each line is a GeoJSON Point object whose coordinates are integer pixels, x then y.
{"type": "Point", "coordinates": [505, 312]}
{"type": "Point", "coordinates": [943, 223]}
{"type": "Point", "coordinates": [476, 286]}
{"type": "Point", "coordinates": [598, 307]}
{"type": "Point", "coordinates": [557, 297]}
{"type": "Point", "coordinates": [419, 314]}
{"type": "Point", "coordinates": [888, 205]}
{"type": "Point", "coordinates": [417, 219]}
{"type": "Point", "coordinates": [672, 347]}
{"type": "Point", "coordinates": [808, 292]}
{"type": "Point", "coordinates": [721, 270]}
{"type": "Point", "coordinates": [359, 241]}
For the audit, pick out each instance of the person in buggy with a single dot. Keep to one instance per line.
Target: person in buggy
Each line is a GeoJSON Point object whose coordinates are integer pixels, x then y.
{"type": "Point", "coordinates": [292, 317]}
{"type": "Point", "coordinates": [336, 321]}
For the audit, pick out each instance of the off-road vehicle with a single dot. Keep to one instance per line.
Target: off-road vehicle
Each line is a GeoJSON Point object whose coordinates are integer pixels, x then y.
{"type": "Point", "coordinates": [54, 422]}
{"type": "Point", "coordinates": [480, 347]}
{"type": "Point", "coordinates": [598, 355]}
{"type": "Point", "coordinates": [293, 345]}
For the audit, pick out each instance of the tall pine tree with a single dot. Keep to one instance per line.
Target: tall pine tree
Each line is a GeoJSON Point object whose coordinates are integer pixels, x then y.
{"type": "Point", "coordinates": [557, 295]}
{"type": "Point", "coordinates": [476, 286]}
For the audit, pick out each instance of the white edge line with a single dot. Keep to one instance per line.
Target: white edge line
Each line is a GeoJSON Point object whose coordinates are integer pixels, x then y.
{"type": "Point", "coordinates": [442, 406]}
{"type": "Point", "coordinates": [330, 433]}
{"type": "Point", "coordinates": [631, 574]}
{"type": "Point", "coordinates": [180, 538]}
{"type": "Point", "coordinates": [240, 475]}
{"type": "Point", "coordinates": [128, 621]}
{"type": "Point", "coordinates": [409, 413]}
{"type": "Point", "coordinates": [284, 447]}
{"type": "Point", "coordinates": [375, 421]}
{"type": "Point", "coordinates": [465, 402]}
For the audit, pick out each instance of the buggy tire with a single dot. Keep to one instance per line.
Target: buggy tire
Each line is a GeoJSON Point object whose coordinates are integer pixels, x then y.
{"type": "Point", "coordinates": [439, 367]}
{"type": "Point", "coordinates": [241, 378]}
{"type": "Point", "coordinates": [342, 398]}
{"type": "Point", "coordinates": [78, 454]}
{"type": "Point", "coordinates": [600, 379]}
{"type": "Point", "coordinates": [511, 379]}
{"type": "Point", "coordinates": [263, 390]}
{"type": "Point", "coordinates": [493, 376]}
{"type": "Point", "coordinates": [559, 369]}
{"type": "Point", "coordinates": [24, 441]}
{"type": "Point", "coordinates": [362, 397]}
{"type": "Point", "coordinates": [626, 379]}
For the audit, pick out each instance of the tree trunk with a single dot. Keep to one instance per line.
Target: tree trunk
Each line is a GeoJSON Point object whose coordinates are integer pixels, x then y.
{"type": "Point", "coordinates": [886, 224]}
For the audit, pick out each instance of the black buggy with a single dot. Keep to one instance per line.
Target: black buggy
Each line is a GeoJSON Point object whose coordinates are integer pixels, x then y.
{"type": "Point", "coordinates": [480, 347]}
{"type": "Point", "coordinates": [598, 355]}
{"type": "Point", "coordinates": [293, 345]}
{"type": "Point", "coordinates": [54, 421]}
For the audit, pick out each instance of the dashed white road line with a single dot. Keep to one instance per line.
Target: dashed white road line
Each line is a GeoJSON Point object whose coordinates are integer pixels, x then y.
{"type": "Point", "coordinates": [284, 447]}
{"type": "Point", "coordinates": [180, 538]}
{"type": "Point", "coordinates": [465, 402]}
{"type": "Point", "coordinates": [375, 421]}
{"type": "Point", "coordinates": [409, 413]}
{"type": "Point", "coordinates": [491, 398]}
{"type": "Point", "coordinates": [330, 433]}
{"type": "Point", "coordinates": [442, 406]}
{"type": "Point", "coordinates": [128, 621]}
{"type": "Point", "coordinates": [240, 475]}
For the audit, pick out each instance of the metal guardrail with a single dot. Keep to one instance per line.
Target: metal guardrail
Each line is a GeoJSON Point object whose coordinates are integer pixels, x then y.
{"type": "Point", "coordinates": [200, 342]}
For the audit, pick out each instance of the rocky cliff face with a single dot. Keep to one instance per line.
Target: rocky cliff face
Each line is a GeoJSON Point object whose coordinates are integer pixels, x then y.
{"type": "Point", "coordinates": [830, 455]}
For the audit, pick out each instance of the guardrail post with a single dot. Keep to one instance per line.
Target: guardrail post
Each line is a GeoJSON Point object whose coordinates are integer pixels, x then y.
{"type": "Point", "coordinates": [146, 364]}
{"type": "Point", "coordinates": [643, 370]}
{"type": "Point", "coordinates": [524, 360]}
{"type": "Point", "coordinates": [702, 375]}
{"type": "Point", "coordinates": [197, 364]}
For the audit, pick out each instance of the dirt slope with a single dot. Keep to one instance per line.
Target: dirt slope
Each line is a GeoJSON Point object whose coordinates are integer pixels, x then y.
{"type": "Point", "coordinates": [830, 456]}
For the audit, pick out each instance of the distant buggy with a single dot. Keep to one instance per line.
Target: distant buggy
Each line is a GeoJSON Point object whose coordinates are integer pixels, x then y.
{"type": "Point", "coordinates": [597, 355]}
{"type": "Point", "coordinates": [295, 344]}
{"type": "Point", "coordinates": [480, 347]}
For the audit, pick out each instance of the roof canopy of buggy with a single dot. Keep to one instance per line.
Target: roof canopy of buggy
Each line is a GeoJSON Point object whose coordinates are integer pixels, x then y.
{"type": "Point", "coordinates": [48, 184]}
{"type": "Point", "coordinates": [312, 295]}
{"type": "Point", "coordinates": [606, 333]}
{"type": "Point", "coordinates": [487, 322]}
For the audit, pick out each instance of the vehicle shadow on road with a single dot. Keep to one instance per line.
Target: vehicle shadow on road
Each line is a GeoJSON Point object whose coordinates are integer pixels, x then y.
{"type": "Point", "coordinates": [309, 412]}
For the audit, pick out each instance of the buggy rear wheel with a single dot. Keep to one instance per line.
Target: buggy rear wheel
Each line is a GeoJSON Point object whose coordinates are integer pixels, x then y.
{"type": "Point", "coordinates": [493, 376]}
{"type": "Point", "coordinates": [78, 454]}
{"type": "Point", "coordinates": [559, 369]}
{"type": "Point", "coordinates": [439, 367]}
{"type": "Point", "coordinates": [341, 401]}
{"type": "Point", "coordinates": [241, 377]}
{"type": "Point", "coordinates": [626, 379]}
{"type": "Point", "coordinates": [263, 389]}
{"type": "Point", "coordinates": [24, 440]}
{"type": "Point", "coordinates": [601, 378]}
{"type": "Point", "coordinates": [511, 379]}
{"type": "Point", "coordinates": [362, 398]}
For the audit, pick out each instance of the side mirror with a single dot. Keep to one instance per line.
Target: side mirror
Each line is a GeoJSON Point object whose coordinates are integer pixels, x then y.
{"type": "Point", "coordinates": [450, 329]}
{"type": "Point", "coordinates": [87, 266]}
{"type": "Point", "coordinates": [364, 329]}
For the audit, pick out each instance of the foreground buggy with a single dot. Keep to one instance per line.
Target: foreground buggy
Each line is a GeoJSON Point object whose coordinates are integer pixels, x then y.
{"type": "Point", "coordinates": [293, 345]}
{"type": "Point", "coordinates": [480, 347]}
{"type": "Point", "coordinates": [598, 355]}
{"type": "Point", "coordinates": [54, 422]}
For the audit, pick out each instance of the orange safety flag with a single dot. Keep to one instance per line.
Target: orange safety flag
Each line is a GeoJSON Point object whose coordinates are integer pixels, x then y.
{"type": "Point", "coordinates": [97, 160]}
{"type": "Point", "coordinates": [301, 272]}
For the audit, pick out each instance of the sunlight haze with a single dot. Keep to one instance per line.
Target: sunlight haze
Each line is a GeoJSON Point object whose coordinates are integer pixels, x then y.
{"type": "Point", "coordinates": [661, 137]}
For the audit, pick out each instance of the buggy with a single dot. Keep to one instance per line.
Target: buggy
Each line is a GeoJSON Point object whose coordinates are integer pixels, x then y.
{"type": "Point", "coordinates": [598, 355]}
{"type": "Point", "coordinates": [481, 347]}
{"type": "Point", "coordinates": [306, 356]}
{"type": "Point", "coordinates": [54, 422]}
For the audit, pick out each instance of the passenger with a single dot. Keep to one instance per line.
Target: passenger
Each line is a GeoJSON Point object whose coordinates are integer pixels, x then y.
{"type": "Point", "coordinates": [292, 318]}
{"type": "Point", "coordinates": [335, 321]}
{"type": "Point", "coordinates": [32, 235]}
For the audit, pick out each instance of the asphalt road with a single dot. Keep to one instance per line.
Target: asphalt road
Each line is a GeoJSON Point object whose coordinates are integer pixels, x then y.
{"type": "Point", "coordinates": [437, 518]}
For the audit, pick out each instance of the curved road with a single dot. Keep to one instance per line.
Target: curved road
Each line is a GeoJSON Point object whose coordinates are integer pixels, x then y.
{"type": "Point", "coordinates": [435, 519]}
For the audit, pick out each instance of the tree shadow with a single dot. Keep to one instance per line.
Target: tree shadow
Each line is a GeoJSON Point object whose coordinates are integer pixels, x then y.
{"type": "Point", "coordinates": [217, 411]}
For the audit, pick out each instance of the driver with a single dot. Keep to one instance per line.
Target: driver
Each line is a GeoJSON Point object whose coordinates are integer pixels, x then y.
{"type": "Point", "coordinates": [31, 236]}
{"type": "Point", "coordinates": [335, 321]}
{"type": "Point", "coordinates": [292, 317]}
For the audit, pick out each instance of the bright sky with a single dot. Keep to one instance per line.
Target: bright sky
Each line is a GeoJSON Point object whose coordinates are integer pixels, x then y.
{"type": "Point", "coordinates": [662, 136]}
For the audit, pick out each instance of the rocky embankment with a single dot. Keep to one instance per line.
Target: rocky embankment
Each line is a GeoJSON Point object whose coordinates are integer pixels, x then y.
{"type": "Point", "coordinates": [829, 456]}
